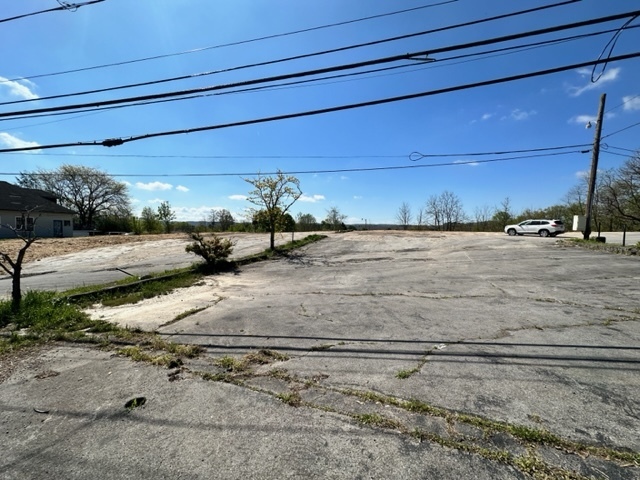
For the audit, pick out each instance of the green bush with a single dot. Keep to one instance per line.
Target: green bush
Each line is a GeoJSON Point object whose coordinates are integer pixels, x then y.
{"type": "Point", "coordinates": [215, 251]}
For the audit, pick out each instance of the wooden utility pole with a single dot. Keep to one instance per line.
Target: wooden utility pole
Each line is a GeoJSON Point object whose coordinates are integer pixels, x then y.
{"type": "Point", "coordinates": [595, 153]}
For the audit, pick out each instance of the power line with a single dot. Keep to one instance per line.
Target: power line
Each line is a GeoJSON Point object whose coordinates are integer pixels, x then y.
{"type": "Point", "coordinates": [606, 147]}
{"type": "Point", "coordinates": [63, 6]}
{"type": "Point", "coordinates": [241, 42]}
{"type": "Point", "coordinates": [279, 86]}
{"type": "Point", "coordinates": [306, 73]}
{"type": "Point", "coordinates": [410, 56]}
{"type": "Point", "coordinates": [621, 130]}
{"type": "Point", "coordinates": [627, 100]}
{"type": "Point", "coordinates": [302, 83]}
{"type": "Point", "coordinates": [112, 142]}
{"type": "Point", "coordinates": [412, 156]}
{"type": "Point", "coordinates": [343, 170]}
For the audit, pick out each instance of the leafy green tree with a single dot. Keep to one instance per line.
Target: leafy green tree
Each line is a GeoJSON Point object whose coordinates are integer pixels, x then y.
{"type": "Point", "coordinates": [225, 220]}
{"type": "Point", "coordinates": [306, 222]}
{"type": "Point", "coordinates": [166, 215]}
{"type": "Point", "coordinates": [150, 221]}
{"type": "Point", "coordinates": [88, 191]}
{"type": "Point", "coordinates": [275, 195]}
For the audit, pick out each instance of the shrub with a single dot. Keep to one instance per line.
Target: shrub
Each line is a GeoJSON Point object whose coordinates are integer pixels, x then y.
{"type": "Point", "coordinates": [215, 250]}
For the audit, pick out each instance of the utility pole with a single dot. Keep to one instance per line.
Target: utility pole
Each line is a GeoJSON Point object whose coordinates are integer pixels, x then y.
{"type": "Point", "coordinates": [595, 153]}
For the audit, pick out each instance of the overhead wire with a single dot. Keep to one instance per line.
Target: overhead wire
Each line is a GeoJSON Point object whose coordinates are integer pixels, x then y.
{"type": "Point", "coordinates": [390, 59]}
{"type": "Point", "coordinates": [341, 170]}
{"type": "Point", "coordinates": [621, 130]}
{"type": "Point", "coordinates": [404, 66]}
{"type": "Point", "coordinates": [304, 83]}
{"type": "Point", "coordinates": [231, 44]}
{"type": "Point", "coordinates": [412, 156]}
{"type": "Point", "coordinates": [111, 142]}
{"type": "Point", "coordinates": [63, 6]}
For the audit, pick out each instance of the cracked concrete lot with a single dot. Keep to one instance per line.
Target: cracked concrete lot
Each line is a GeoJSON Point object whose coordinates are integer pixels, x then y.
{"type": "Point", "coordinates": [403, 355]}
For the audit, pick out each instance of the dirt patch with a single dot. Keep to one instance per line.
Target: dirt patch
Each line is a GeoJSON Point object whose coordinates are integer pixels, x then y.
{"type": "Point", "coordinates": [52, 247]}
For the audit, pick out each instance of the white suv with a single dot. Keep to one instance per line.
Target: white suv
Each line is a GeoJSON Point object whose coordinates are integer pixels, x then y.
{"type": "Point", "coordinates": [544, 228]}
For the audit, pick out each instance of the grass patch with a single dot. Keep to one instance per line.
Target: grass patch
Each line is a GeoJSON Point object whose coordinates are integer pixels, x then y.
{"type": "Point", "coordinates": [403, 374]}
{"type": "Point", "coordinates": [319, 348]}
{"type": "Point", "coordinates": [291, 398]}
{"type": "Point", "coordinates": [377, 420]}
{"type": "Point", "coordinates": [261, 357]}
{"type": "Point", "coordinates": [188, 313]}
{"type": "Point", "coordinates": [602, 247]}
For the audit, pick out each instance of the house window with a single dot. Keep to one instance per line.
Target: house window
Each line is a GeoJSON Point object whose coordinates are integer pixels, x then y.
{"type": "Point", "coordinates": [67, 223]}
{"type": "Point", "coordinates": [20, 223]}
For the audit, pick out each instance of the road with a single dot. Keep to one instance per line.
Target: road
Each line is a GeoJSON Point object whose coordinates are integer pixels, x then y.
{"type": "Point", "coordinates": [408, 355]}
{"type": "Point", "coordinates": [108, 264]}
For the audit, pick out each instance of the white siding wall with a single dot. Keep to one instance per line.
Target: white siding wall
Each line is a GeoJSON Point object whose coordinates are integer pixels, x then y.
{"type": "Point", "coordinates": [43, 224]}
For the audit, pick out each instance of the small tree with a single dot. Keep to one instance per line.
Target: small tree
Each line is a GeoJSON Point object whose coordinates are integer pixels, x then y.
{"type": "Point", "coordinates": [14, 267]}
{"type": "Point", "coordinates": [335, 219]}
{"type": "Point", "coordinates": [276, 195]}
{"type": "Point", "coordinates": [150, 221]}
{"type": "Point", "coordinates": [215, 251]}
{"type": "Point", "coordinates": [306, 222]}
{"type": "Point", "coordinates": [166, 216]}
{"type": "Point", "coordinates": [225, 220]}
{"type": "Point", "coordinates": [404, 215]}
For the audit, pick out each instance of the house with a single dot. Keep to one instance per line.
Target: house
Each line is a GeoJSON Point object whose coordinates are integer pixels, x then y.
{"type": "Point", "coordinates": [46, 217]}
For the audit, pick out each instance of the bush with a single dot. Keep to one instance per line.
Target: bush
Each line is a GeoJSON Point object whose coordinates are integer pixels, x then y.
{"type": "Point", "coordinates": [215, 251]}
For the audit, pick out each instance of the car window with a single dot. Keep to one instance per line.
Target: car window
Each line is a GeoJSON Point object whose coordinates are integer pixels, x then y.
{"type": "Point", "coordinates": [544, 222]}
{"type": "Point", "coordinates": [535, 222]}
{"type": "Point", "coordinates": [559, 222]}
{"type": "Point", "coordinates": [522, 224]}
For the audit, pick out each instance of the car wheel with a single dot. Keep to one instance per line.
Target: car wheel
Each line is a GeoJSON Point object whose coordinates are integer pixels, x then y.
{"type": "Point", "coordinates": [543, 233]}
{"type": "Point", "coordinates": [511, 232]}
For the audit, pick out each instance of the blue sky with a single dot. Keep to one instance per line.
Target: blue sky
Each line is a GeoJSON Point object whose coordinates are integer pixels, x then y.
{"type": "Point", "coordinates": [532, 113]}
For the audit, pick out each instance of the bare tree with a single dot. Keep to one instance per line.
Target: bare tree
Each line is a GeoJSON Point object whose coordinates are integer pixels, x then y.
{"type": "Point", "coordinates": [404, 215]}
{"type": "Point", "coordinates": [433, 209]}
{"type": "Point", "coordinates": [420, 217]}
{"type": "Point", "coordinates": [334, 218]}
{"type": "Point", "coordinates": [276, 195]}
{"type": "Point", "coordinates": [483, 216]}
{"type": "Point", "coordinates": [166, 215]}
{"type": "Point", "coordinates": [503, 213]}
{"type": "Point", "coordinates": [620, 190]}
{"type": "Point", "coordinates": [14, 267]}
{"type": "Point", "coordinates": [452, 211]}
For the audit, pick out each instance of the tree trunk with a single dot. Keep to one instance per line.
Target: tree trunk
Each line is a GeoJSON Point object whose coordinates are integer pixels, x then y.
{"type": "Point", "coordinates": [16, 294]}
{"type": "Point", "coordinates": [272, 235]}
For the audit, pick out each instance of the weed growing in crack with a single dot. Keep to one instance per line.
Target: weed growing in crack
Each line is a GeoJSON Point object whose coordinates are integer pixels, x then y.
{"type": "Point", "coordinates": [291, 398]}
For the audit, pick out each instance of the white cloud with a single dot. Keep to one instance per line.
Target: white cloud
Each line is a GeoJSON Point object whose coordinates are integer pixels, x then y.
{"type": "Point", "coordinates": [19, 88]}
{"type": "Point", "coordinates": [182, 188]}
{"type": "Point", "coordinates": [585, 119]}
{"type": "Point", "coordinates": [312, 199]}
{"type": "Point", "coordinates": [582, 174]}
{"type": "Point", "coordinates": [520, 115]}
{"type": "Point", "coordinates": [487, 116]}
{"type": "Point", "coordinates": [608, 76]}
{"type": "Point", "coordinates": [357, 197]}
{"type": "Point", "coordinates": [155, 200]}
{"type": "Point", "coordinates": [631, 103]}
{"type": "Point", "coordinates": [128, 184]}
{"type": "Point", "coordinates": [154, 186]}
{"type": "Point", "coordinates": [344, 178]}
{"type": "Point", "coordinates": [237, 197]}
{"type": "Point", "coordinates": [135, 201]}
{"type": "Point", "coordinates": [14, 142]}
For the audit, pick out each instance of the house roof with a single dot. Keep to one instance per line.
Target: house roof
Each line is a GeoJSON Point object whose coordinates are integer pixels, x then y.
{"type": "Point", "coordinates": [18, 199]}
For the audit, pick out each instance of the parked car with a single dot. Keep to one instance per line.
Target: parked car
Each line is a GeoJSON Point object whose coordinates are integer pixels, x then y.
{"type": "Point", "coordinates": [544, 228]}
